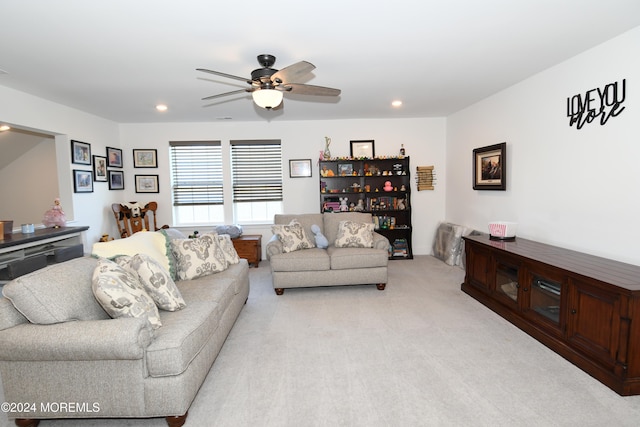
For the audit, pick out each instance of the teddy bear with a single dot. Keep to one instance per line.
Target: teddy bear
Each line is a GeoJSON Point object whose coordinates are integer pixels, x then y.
{"type": "Point", "coordinates": [321, 240]}
{"type": "Point", "coordinates": [344, 207]}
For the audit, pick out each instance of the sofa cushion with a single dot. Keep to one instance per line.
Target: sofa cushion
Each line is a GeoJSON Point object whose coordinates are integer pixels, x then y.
{"type": "Point", "coordinates": [314, 259]}
{"type": "Point", "coordinates": [58, 293]}
{"type": "Point", "coordinates": [306, 220]}
{"type": "Point", "coordinates": [182, 337]}
{"type": "Point", "coordinates": [332, 222]}
{"type": "Point", "coordinates": [121, 295]}
{"type": "Point", "coordinates": [348, 258]}
{"type": "Point", "coordinates": [155, 280]}
{"type": "Point", "coordinates": [353, 234]}
{"type": "Point", "coordinates": [228, 250]}
{"type": "Point", "coordinates": [198, 257]}
{"type": "Point", "coordinates": [154, 244]}
{"type": "Point", "coordinates": [293, 236]}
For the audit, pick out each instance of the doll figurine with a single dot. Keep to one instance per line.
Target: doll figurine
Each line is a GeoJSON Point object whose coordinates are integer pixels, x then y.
{"type": "Point", "coordinates": [55, 217]}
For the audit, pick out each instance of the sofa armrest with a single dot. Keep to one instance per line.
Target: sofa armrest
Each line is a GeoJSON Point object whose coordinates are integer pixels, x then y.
{"type": "Point", "coordinates": [274, 247]}
{"type": "Point", "coordinates": [111, 339]}
{"type": "Point", "coordinates": [380, 242]}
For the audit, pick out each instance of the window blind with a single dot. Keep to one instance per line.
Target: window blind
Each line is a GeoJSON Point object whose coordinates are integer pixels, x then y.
{"type": "Point", "coordinates": [257, 170]}
{"type": "Point", "coordinates": [197, 172]}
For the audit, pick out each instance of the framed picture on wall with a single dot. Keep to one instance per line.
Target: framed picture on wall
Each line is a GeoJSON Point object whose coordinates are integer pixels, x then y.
{"type": "Point", "coordinates": [363, 149]}
{"type": "Point", "coordinates": [114, 157]}
{"type": "Point", "coordinates": [80, 152]}
{"type": "Point", "coordinates": [300, 168]}
{"type": "Point", "coordinates": [116, 180]}
{"type": "Point", "coordinates": [147, 184]}
{"type": "Point", "coordinates": [145, 158]}
{"type": "Point", "coordinates": [82, 181]}
{"type": "Point", "coordinates": [99, 169]}
{"type": "Point", "coordinates": [490, 167]}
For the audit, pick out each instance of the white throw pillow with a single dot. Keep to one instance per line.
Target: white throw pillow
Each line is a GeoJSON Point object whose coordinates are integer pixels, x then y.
{"type": "Point", "coordinates": [354, 235]}
{"type": "Point", "coordinates": [198, 257]}
{"type": "Point", "coordinates": [154, 244]}
{"type": "Point", "coordinates": [292, 236]}
{"type": "Point", "coordinates": [121, 295]}
{"type": "Point", "coordinates": [155, 280]}
{"type": "Point", "coordinates": [229, 251]}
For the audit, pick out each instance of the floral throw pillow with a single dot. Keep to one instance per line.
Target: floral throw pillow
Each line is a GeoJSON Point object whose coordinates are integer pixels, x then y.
{"type": "Point", "coordinates": [155, 280]}
{"type": "Point", "coordinates": [229, 251]}
{"type": "Point", "coordinates": [121, 295]}
{"type": "Point", "coordinates": [354, 235]}
{"type": "Point", "coordinates": [198, 257]}
{"type": "Point", "coordinates": [292, 236]}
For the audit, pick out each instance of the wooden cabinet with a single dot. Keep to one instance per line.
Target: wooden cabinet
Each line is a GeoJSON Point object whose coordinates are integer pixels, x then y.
{"type": "Point", "coordinates": [380, 186]}
{"type": "Point", "coordinates": [581, 306]}
{"type": "Point", "coordinates": [249, 247]}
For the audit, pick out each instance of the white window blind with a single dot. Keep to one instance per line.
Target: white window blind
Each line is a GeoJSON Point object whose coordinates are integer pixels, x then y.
{"type": "Point", "coordinates": [257, 170]}
{"type": "Point", "coordinates": [197, 172]}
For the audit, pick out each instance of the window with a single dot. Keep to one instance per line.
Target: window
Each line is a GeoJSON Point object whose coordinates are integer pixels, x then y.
{"type": "Point", "coordinates": [197, 183]}
{"type": "Point", "coordinates": [257, 180]}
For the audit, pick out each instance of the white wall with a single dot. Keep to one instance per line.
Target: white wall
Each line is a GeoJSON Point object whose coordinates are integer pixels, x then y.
{"type": "Point", "coordinates": [65, 123]}
{"type": "Point", "coordinates": [571, 188]}
{"type": "Point", "coordinates": [424, 141]}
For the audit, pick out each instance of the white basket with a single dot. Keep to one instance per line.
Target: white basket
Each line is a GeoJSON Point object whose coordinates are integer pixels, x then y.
{"type": "Point", "coordinates": [502, 229]}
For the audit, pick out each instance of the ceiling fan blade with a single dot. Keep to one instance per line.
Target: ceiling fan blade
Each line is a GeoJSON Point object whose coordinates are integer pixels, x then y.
{"type": "Point", "coordinates": [302, 89]}
{"type": "Point", "coordinates": [230, 76]}
{"type": "Point", "coordinates": [228, 93]}
{"type": "Point", "coordinates": [293, 72]}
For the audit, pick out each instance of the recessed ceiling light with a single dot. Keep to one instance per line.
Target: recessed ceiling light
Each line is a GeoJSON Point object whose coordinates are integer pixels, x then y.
{"type": "Point", "coordinates": [4, 127]}
{"type": "Point", "coordinates": [161, 107]}
{"type": "Point", "coordinates": [396, 103]}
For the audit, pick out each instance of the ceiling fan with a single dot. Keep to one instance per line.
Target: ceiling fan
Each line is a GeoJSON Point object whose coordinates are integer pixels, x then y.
{"type": "Point", "coordinates": [268, 84]}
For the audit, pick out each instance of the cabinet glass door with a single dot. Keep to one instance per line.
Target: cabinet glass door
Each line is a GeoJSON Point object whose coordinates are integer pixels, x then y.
{"type": "Point", "coordinates": [507, 282]}
{"type": "Point", "coordinates": [545, 298]}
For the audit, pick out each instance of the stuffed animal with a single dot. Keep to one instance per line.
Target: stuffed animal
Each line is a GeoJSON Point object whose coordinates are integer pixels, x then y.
{"type": "Point", "coordinates": [321, 240]}
{"type": "Point", "coordinates": [360, 206]}
{"type": "Point", "coordinates": [344, 207]}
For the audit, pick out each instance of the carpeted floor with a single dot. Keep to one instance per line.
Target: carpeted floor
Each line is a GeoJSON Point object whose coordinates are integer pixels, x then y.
{"type": "Point", "coordinates": [420, 353]}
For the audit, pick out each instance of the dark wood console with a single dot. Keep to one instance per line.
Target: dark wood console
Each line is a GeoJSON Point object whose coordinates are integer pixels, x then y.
{"type": "Point", "coordinates": [585, 308]}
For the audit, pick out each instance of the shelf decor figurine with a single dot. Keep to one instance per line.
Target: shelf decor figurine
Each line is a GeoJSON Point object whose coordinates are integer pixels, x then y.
{"type": "Point", "coordinates": [55, 216]}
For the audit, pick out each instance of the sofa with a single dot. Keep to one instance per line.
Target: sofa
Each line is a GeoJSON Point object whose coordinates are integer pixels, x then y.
{"type": "Point", "coordinates": [61, 352]}
{"type": "Point", "coordinates": [311, 266]}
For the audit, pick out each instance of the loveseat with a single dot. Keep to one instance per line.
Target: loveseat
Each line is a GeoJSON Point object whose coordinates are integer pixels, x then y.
{"type": "Point", "coordinates": [301, 267]}
{"type": "Point", "coordinates": [63, 356]}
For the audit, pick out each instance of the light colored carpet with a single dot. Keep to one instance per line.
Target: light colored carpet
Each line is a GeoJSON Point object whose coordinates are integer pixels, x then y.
{"type": "Point", "coordinates": [420, 353]}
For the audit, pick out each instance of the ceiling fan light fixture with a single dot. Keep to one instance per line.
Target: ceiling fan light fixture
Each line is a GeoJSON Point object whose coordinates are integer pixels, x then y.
{"type": "Point", "coordinates": [267, 98]}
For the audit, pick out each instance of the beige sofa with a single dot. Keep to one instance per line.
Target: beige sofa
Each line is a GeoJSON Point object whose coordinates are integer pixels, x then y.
{"type": "Point", "coordinates": [333, 266]}
{"type": "Point", "coordinates": [104, 367]}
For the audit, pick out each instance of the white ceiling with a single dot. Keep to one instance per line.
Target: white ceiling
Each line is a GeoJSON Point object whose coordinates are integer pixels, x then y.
{"type": "Point", "coordinates": [118, 58]}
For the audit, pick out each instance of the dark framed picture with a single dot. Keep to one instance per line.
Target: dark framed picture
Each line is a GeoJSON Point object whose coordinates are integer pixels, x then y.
{"type": "Point", "coordinates": [114, 157]}
{"type": "Point", "coordinates": [345, 169]}
{"type": "Point", "coordinates": [80, 152]}
{"type": "Point", "coordinates": [300, 168]}
{"type": "Point", "coordinates": [82, 181]}
{"type": "Point", "coordinates": [147, 184]}
{"type": "Point", "coordinates": [116, 180]}
{"type": "Point", "coordinates": [363, 149]}
{"type": "Point", "coordinates": [490, 167]}
{"type": "Point", "coordinates": [145, 158]}
{"type": "Point", "coordinates": [99, 169]}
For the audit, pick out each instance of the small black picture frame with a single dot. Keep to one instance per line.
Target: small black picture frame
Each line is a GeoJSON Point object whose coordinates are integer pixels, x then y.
{"type": "Point", "coordinates": [114, 157]}
{"type": "Point", "coordinates": [147, 184]}
{"type": "Point", "coordinates": [145, 158]}
{"type": "Point", "coordinates": [490, 167]}
{"type": "Point", "coordinates": [80, 152]}
{"type": "Point", "coordinates": [299, 168]}
{"type": "Point", "coordinates": [82, 181]}
{"type": "Point", "coordinates": [100, 169]}
{"type": "Point", "coordinates": [116, 180]}
{"type": "Point", "coordinates": [363, 149]}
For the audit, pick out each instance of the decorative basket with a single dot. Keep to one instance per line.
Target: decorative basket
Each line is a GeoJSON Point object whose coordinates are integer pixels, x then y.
{"type": "Point", "coordinates": [502, 229]}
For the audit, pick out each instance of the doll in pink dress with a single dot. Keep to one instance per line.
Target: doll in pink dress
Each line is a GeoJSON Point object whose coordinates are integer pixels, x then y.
{"type": "Point", "coordinates": [55, 217]}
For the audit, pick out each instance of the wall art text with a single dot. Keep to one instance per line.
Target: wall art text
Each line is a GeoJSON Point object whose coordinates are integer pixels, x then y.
{"type": "Point", "coordinates": [596, 103]}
